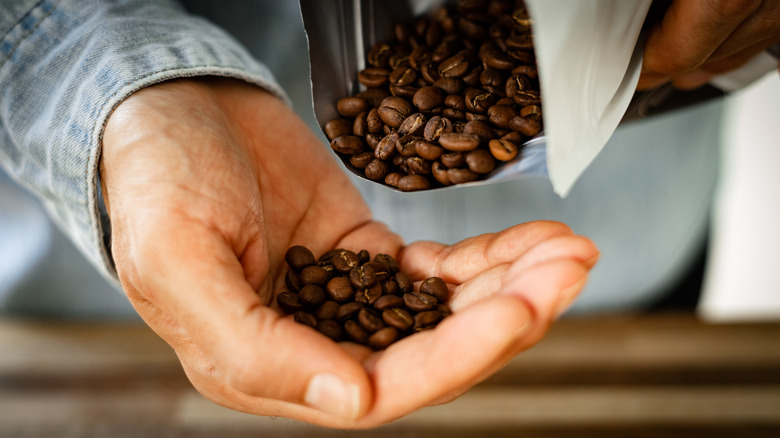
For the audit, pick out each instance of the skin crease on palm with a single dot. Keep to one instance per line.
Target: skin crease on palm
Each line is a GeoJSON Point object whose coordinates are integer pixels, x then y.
{"type": "Point", "coordinates": [209, 181]}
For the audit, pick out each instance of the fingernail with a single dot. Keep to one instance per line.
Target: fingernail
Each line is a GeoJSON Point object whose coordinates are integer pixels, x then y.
{"type": "Point", "coordinates": [329, 393]}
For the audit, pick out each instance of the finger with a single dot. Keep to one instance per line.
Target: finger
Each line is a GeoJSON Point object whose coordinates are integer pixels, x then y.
{"type": "Point", "coordinates": [467, 258]}
{"type": "Point", "coordinates": [193, 276]}
{"type": "Point", "coordinates": [472, 343]}
{"type": "Point", "coordinates": [690, 32]}
{"type": "Point", "coordinates": [756, 33]}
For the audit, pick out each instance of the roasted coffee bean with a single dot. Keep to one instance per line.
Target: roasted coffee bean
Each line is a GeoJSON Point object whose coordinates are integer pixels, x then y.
{"type": "Point", "coordinates": [374, 123]}
{"type": "Point", "coordinates": [528, 70]}
{"type": "Point", "coordinates": [378, 55]}
{"type": "Point", "coordinates": [398, 60]}
{"type": "Point", "coordinates": [405, 284]}
{"type": "Point", "coordinates": [361, 160]}
{"type": "Point", "coordinates": [327, 310]}
{"type": "Point", "coordinates": [299, 257]}
{"type": "Point", "coordinates": [454, 66]}
{"type": "Point", "coordinates": [331, 329]}
{"type": "Point", "coordinates": [513, 136]}
{"type": "Point", "coordinates": [453, 114]}
{"type": "Point", "coordinates": [360, 125]}
{"type": "Point", "coordinates": [478, 101]}
{"type": "Point", "coordinates": [292, 281]}
{"type": "Point", "coordinates": [376, 170]}
{"type": "Point", "coordinates": [471, 117]}
{"type": "Point", "coordinates": [491, 79]}
{"type": "Point", "coordinates": [480, 161]}
{"type": "Point", "coordinates": [394, 110]}
{"type": "Point", "coordinates": [362, 276]}
{"type": "Point", "coordinates": [345, 260]}
{"type": "Point", "coordinates": [340, 289]}
{"type": "Point", "coordinates": [481, 129]}
{"type": "Point", "coordinates": [435, 287]}
{"type": "Point", "coordinates": [413, 123]}
{"type": "Point", "coordinates": [471, 79]}
{"type": "Point", "coordinates": [427, 150]}
{"type": "Point", "coordinates": [527, 97]}
{"type": "Point", "coordinates": [370, 320]}
{"type": "Point", "coordinates": [388, 301]}
{"type": "Point", "coordinates": [348, 310]}
{"type": "Point", "coordinates": [435, 127]}
{"type": "Point", "coordinates": [453, 159]}
{"type": "Point", "coordinates": [429, 72]}
{"type": "Point", "coordinates": [497, 59]}
{"type": "Point", "coordinates": [520, 42]}
{"type": "Point", "coordinates": [383, 338]}
{"type": "Point", "coordinates": [503, 150]}
{"type": "Point", "coordinates": [398, 317]}
{"type": "Point", "coordinates": [472, 29]}
{"type": "Point", "coordinates": [374, 96]}
{"type": "Point", "coordinates": [389, 287]}
{"type": "Point", "coordinates": [449, 85]}
{"type": "Point", "coordinates": [426, 320]}
{"type": "Point", "coordinates": [312, 295]}
{"type": "Point", "coordinates": [459, 142]}
{"type": "Point", "coordinates": [355, 332]}
{"type": "Point", "coordinates": [461, 176]}
{"type": "Point", "coordinates": [406, 146]}
{"type": "Point", "coordinates": [373, 77]}
{"type": "Point", "coordinates": [368, 295]}
{"type": "Point", "coordinates": [500, 115]}
{"type": "Point", "coordinates": [305, 318]}
{"type": "Point", "coordinates": [419, 57]}
{"type": "Point", "coordinates": [382, 271]}
{"type": "Point", "coordinates": [428, 97]}
{"type": "Point", "coordinates": [456, 101]}
{"type": "Point", "coordinates": [388, 261]}
{"type": "Point", "coordinates": [403, 76]}
{"type": "Point", "coordinates": [352, 106]}
{"type": "Point", "coordinates": [411, 183]}
{"type": "Point", "coordinates": [439, 172]}
{"type": "Point", "coordinates": [363, 256]}
{"type": "Point", "coordinates": [314, 275]}
{"type": "Point", "coordinates": [528, 126]}
{"type": "Point", "coordinates": [420, 302]}
{"type": "Point", "coordinates": [531, 111]}
{"type": "Point", "coordinates": [373, 140]}
{"type": "Point", "coordinates": [393, 178]}
{"type": "Point", "coordinates": [347, 144]}
{"type": "Point", "coordinates": [418, 166]}
{"type": "Point", "coordinates": [338, 127]}
{"type": "Point", "coordinates": [386, 147]}
{"type": "Point", "coordinates": [289, 302]}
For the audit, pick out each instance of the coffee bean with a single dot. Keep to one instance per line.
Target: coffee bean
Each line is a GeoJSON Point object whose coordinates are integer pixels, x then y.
{"type": "Point", "coordinates": [398, 317]}
{"type": "Point", "coordinates": [363, 256]}
{"type": "Point", "coordinates": [393, 178]}
{"type": "Point", "coordinates": [368, 295]}
{"type": "Point", "coordinates": [503, 150]}
{"type": "Point", "coordinates": [337, 128]}
{"type": "Point", "coordinates": [435, 287]}
{"type": "Point", "coordinates": [453, 114]}
{"type": "Point", "coordinates": [494, 58]}
{"type": "Point", "coordinates": [471, 79]}
{"type": "Point", "coordinates": [453, 159]}
{"type": "Point", "coordinates": [348, 310]}
{"type": "Point", "coordinates": [527, 97]}
{"type": "Point", "coordinates": [382, 271]}
{"type": "Point", "coordinates": [461, 176]}
{"type": "Point", "coordinates": [427, 150]}
{"type": "Point", "coordinates": [455, 101]}
{"type": "Point", "coordinates": [428, 97]}
{"type": "Point", "coordinates": [513, 136]}
{"type": "Point", "coordinates": [479, 128]}
{"type": "Point", "coordinates": [501, 115]}
{"type": "Point", "coordinates": [386, 147]}
{"type": "Point", "coordinates": [426, 320]}
{"type": "Point", "coordinates": [403, 76]}
{"type": "Point", "coordinates": [405, 284]}
{"type": "Point", "coordinates": [531, 111]}
{"type": "Point", "coordinates": [478, 101]}
{"type": "Point", "coordinates": [418, 166]}
{"type": "Point", "coordinates": [327, 310]}
{"type": "Point", "coordinates": [394, 110]}
{"type": "Point", "coordinates": [528, 126]}
{"type": "Point", "coordinates": [388, 301]}
{"type": "Point", "coordinates": [454, 66]}
{"type": "Point", "coordinates": [383, 338]}
{"type": "Point", "coordinates": [373, 77]}
{"type": "Point", "coordinates": [347, 144]}
{"type": "Point", "coordinates": [289, 302]}
{"type": "Point", "coordinates": [305, 318]}
{"type": "Point", "coordinates": [370, 320]}
{"type": "Point", "coordinates": [376, 170]}
{"type": "Point", "coordinates": [314, 275]}
{"type": "Point", "coordinates": [480, 161]}
{"type": "Point", "coordinates": [388, 261]}
{"type": "Point", "coordinates": [389, 287]}
{"type": "Point", "coordinates": [419, 56]}
{"type": "Point", "coordinates": [420, 302]}
{"type": "Point", "coordinates": [345, 260]}
{"type": "Point", "coordinates": [360, 125]}
{"type": "Point", "coordinates": [361, 160]}
{"type": "Point", "coordinates": [331, 329]}
{"type": "Point", "coordinates": [298, 257]}
{"type": "Point", "coordinates": [406, 146]}
{"type": "Point", "coordinates": [411, 183]}
{"type": "Point", "coordinates": [362, 277]}
{"type": "Point", "coordinates": [439, 172]}
{"type": "Point", "coordinates": [340, 289]}
{"type": "Point", "coordinates": [292, 281]}
{"type": "Point", "coordinates": [459, 142]}
{"type": "Point", "coordinates": [449, 85]}
{"type": "Point", "coordinates": [311, 295]}
{"type": "Point", "coordinates": [413, 123]}
{"type": "Point", "coordinates": [374, 96]}
{"type": "Point", "coordinates": [356, 332]}
{"type": "Point", "coordinates": [378, 55]}
{"type": "Point", "coordinates": [435, 127]}
{"type": "Point", "coordinates": [352, 106]}
{"type": "Point", "coordinates": [374, 123]}
{"type": "Point", "coordinates": [373, 140]}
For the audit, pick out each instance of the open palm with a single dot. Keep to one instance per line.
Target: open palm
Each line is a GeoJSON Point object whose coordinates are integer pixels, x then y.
{"type": "Point", "coordinates": [209, 181]}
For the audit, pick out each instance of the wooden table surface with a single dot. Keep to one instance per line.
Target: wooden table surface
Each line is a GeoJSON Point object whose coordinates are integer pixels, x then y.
{"type": "Point", "coordinates": [637, 376]}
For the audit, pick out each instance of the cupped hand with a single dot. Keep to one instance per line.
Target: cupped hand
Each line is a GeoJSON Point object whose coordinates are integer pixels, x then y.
{"type": "Point", "coordinates": [209, 181]}
{"type": "Point", "coordinates": [697, 40]}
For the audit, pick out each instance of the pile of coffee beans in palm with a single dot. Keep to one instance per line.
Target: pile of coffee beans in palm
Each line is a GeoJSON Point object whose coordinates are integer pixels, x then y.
{"type": "Point", "coordinates": [453, 96]}
{"type": "Point", "coordinates": [347, 296]}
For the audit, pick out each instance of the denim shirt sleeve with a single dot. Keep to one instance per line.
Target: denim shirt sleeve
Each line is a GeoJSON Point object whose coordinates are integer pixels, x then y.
{"type": "Point", "coordinates": [65, 65]}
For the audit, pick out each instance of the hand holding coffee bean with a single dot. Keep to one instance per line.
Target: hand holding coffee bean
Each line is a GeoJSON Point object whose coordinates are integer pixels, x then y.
{"type": "Point", "coordinates": [204, 204]}
{"type": "Point", "coordinates": [460, 80]}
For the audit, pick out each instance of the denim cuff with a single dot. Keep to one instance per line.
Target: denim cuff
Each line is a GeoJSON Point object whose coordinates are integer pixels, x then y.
{"type": "Point", "coordinates": [65, 65]}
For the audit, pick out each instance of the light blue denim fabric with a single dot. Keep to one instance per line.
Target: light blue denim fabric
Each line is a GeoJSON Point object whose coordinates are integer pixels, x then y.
{"type": "Point", "coordinates": [66, 64]}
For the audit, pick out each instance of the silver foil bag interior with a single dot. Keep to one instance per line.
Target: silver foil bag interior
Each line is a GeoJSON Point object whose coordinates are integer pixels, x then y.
{"type": "Point", "coordinates": [340, 32]}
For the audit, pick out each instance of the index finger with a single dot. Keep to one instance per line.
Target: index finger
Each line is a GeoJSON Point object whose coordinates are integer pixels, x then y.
{"type": "Point", "coordinates": [690, 32]}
